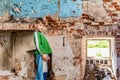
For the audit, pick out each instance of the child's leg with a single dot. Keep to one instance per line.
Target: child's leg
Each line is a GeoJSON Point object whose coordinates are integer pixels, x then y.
{"type": "Point", "coordinates": [49, 66]}
{"type": "Point", "coordinates": [45, 75]}
{"type": "Point", "coordinates": [39, 74]}
{"type": "Point", "coordinates": [50, 74]}
{"type": "Point", "coordinates": [37, 62]}
{"type": "Point", "coordinates": [45, 69]}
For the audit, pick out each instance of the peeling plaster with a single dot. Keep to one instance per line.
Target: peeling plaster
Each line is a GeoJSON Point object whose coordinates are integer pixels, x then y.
{"type": "Point", "coordinates": [70, 8]}
{"type": "Point", "coordinates": [41, 8]}
{"type": "Point", "coordinates": [63, 62]}
{"type": "Point", "coordinates": [4, 6]}
{"type": "Point", "coordinates": [33, 8]}
{"type": "Point", "coordinates": [5, 51]}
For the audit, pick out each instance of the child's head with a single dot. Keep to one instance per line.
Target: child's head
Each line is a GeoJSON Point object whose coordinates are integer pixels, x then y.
{"type": "Point", "coordinates": [39, 24]}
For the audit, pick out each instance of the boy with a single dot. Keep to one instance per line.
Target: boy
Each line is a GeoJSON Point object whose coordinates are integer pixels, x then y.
{"type": "Point", "coordinates": [43, 49]}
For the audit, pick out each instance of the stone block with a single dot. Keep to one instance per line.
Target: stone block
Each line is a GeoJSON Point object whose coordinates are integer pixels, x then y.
{"type": "Point", "coordinates": [118, 8]}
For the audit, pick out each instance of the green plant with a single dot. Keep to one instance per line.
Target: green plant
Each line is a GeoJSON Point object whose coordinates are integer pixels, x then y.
{"type": "Point", "coordinates": [98, 54]}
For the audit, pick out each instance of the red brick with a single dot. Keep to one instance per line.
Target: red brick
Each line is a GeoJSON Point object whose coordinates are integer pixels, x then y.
{"type": "Point", "coordinates": [106, 0]}
{"type": "Point", "coordinates": [113, 14]}
{"type": "Point", "coordinates": [114, 3]}
{"type": "Point", "coordinates": [118, 8]}
{"type": "Point", "coordinates": [101, 23]}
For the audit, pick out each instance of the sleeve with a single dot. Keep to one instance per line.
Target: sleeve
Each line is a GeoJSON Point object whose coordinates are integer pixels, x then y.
{"type": "Point", "coordinates": [38, 42]}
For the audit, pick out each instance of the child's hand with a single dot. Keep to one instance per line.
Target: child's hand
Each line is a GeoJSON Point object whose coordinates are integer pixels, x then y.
{"type": "Point", "coordinates": [45, 57]}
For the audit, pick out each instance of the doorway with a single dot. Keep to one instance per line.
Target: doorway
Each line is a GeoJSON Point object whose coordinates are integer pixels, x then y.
{"type": "Point", "coordinates": [101, 58]}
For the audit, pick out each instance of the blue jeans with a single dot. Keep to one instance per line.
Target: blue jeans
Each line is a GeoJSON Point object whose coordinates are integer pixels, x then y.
{"type": "Point", "coordinates": [39, 74]}
{"type": "Point", "coordinates": [45, 75]}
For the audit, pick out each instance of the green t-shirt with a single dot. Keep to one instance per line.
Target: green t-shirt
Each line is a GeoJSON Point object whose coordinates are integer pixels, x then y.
{"type": "Point", "coordinates": [41, 44]}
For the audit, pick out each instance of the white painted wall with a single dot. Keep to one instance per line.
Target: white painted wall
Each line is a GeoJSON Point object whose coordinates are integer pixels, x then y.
{"type": "Point", "coordinates": [63, 59]}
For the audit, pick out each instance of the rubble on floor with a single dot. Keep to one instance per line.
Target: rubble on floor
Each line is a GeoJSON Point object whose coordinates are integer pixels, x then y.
{"type": "Point", "coordinates": [94, 72]}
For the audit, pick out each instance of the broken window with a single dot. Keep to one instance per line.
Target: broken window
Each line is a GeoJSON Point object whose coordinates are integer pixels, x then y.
{"type": "Point", "coordinates": [100, 57]}
{"type": "Point", "coordinates": [98, 48]}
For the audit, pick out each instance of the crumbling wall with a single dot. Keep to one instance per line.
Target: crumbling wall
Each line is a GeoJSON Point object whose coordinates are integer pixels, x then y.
{"type": "Point", "coordinates": [67, 52]}
{"type": "Point", "coordinates": [118, 55]}
{"type": "Point", "coordinates": [74, 33]}
{"type": "Point", "coordinates": [6, 51]}
{"type": "Point", "coordinates": [23, 59]}
{"type": "Point", "coordinates": [63, 62]}
{"type": "Point", "coordinates": [15, 55]}
{"type": "Point", "coordinates": [4, 10]}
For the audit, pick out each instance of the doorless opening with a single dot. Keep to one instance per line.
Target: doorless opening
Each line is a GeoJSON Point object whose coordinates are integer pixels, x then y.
{"type": "Point", "coordinates": [101, 58]}
{"type": "Point", "coordinates": [99, 50]}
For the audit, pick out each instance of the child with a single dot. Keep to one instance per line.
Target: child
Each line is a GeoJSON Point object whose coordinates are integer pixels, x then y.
{"type": "Point", "coordinates": [43, 49]}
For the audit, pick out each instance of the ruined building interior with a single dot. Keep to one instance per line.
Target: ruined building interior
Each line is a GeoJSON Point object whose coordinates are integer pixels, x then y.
{"type": "Point", "coordinates": [84, 36]}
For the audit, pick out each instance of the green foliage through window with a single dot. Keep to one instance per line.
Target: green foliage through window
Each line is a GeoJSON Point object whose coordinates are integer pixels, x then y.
{"type": "Point", "coordinates": [98, 43]}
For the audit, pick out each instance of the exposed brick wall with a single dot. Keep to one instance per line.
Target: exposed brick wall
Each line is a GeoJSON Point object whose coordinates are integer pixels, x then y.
{"type": "Point", "coordinates": [118, 46]}
{"type": "Point", "coordinates": [100, 20]}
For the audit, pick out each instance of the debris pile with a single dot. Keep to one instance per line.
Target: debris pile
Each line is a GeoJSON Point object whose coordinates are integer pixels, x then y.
{"type": "Point", "coordinates": [94, 72]}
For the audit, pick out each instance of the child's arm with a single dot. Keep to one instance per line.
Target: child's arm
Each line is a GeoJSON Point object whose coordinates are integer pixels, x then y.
{"type": "Point", "coordinates": [38, 43]}
{"type": "Point", "coordinates": [39, 46]}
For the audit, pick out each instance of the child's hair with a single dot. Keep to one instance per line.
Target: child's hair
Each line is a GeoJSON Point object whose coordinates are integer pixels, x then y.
{"type": "Point", "coordinates": [38, 20]}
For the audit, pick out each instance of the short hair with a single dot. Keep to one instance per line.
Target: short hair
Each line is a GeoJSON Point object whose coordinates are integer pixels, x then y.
{"type": "Point", "coordinates": [38, 20]}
